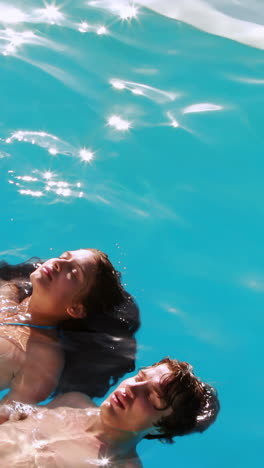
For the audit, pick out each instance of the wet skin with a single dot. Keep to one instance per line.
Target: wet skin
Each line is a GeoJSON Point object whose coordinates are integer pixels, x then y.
{"type": "Point", "coordinates": [137, 403]}
{"type": "Point", "coordinates": [74, 432]}
{"type": "Point", "coordinates": [31, 360]}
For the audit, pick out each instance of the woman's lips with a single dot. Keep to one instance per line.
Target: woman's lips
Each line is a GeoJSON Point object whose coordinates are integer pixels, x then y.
{"type": "Point", "coordinates": [47, 271]}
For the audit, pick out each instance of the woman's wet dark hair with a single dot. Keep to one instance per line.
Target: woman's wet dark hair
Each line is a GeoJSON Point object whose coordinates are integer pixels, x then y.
{"type": "Point", "coordinates": [100, 348]}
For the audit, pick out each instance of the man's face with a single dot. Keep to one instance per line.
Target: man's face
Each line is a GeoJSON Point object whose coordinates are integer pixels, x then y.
{"type": "Point", "coordinates": [137, 403]}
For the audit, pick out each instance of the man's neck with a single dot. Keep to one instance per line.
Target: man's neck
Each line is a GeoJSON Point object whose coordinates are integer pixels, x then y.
{"type": "Point", "coordinates": [119, 441]}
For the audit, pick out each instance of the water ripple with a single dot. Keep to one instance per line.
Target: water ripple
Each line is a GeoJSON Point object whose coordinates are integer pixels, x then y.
{"type": "Point", "coordinates": [155, 94]}
{"type": "Point", "coordinates": [125, 9]}
{"type": "Point", "coordinates": [52, 143]}
{"type": "Point", "coordinates": [201, 107]}
{"type": "Point", "coordinates": [45, 183]}
{"type": "Point", "coordinates": [208, 17]}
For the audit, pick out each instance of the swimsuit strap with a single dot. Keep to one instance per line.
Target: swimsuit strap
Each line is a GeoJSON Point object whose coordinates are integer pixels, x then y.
{"type": "Point", "coordinates": [43, 327]}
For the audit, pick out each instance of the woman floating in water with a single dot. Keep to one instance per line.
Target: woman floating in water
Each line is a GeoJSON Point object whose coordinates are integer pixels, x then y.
{"type": "Point", "coordinates": [66, 325]}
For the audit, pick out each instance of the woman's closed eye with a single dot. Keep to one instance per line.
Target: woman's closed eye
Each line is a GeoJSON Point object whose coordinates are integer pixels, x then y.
{"type": "Point", "coordinates": [76, 270]}
{"type": "Point", "coordinates": [64, 256]}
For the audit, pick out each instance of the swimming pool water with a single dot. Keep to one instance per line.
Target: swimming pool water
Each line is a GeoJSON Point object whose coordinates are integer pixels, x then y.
{"type": "Point", "coordinates": [138, 134]}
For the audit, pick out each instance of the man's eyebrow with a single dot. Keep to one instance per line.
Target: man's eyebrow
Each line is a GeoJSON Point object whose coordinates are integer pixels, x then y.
{"type": "Point", "coordinates": [141, 372]}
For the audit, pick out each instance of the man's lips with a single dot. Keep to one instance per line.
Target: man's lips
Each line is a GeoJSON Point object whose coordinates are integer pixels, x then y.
{"type": "Point", "coordinates": [47, 271]}
{"type": "Point", "coordinates": [119, 399]}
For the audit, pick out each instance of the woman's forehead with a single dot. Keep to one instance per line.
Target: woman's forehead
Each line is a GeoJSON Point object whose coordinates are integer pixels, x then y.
{"type": "Point", "coordinates": [83, 255]}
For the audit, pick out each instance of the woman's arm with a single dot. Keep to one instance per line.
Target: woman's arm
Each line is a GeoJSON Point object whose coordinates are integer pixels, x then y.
{"type": "Point", "coordinates": [38, 376]}
{"type": "Point", "coordinates": [72, 400]}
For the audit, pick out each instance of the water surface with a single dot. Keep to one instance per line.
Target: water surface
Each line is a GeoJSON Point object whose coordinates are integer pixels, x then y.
{"type": "Point", "coordinates": [139, 131]}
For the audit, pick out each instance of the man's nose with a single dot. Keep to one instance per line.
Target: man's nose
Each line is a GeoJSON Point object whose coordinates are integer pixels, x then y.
{"type": "Point", "coordinates": [134, 389]}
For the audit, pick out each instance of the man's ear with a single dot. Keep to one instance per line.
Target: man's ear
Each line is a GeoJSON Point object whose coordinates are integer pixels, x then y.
{"type": "Point", "coordinates": [76, 311]}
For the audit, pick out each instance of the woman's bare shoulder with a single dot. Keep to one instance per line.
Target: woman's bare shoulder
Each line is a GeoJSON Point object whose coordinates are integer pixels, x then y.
{"type": "Point", "coordinates": [72, 400]}
{"type": "Point", "coordinates": [9, 292]}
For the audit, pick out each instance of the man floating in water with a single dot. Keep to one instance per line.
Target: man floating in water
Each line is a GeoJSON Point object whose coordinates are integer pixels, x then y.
{"type": "Point", "coordinates": [160, 402]}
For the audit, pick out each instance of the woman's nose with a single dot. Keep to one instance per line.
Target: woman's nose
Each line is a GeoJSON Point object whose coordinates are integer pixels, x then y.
{"type": "Point", "coordinates": [57, 264]}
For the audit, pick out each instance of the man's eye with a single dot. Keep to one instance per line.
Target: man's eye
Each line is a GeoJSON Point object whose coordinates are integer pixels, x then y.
{"type": "Point", "coordinates": [138, 378]}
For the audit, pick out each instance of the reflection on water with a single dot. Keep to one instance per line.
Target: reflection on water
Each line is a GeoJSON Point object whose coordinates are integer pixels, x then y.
{"type": "Point", "coordinates": [201, 107]}
{"type": "Point", "coordinates": [228, 19]}
{"type": "Point", "coordinates": [125, 9]}
{"type": "Point", "coordinates": [47, 182]}
{"type": "Point", "coordinates": [52, 143]}
{"type": "Point", "coordinates": [126, 125]}
{"type": "Point", "coordinates": [118, 123]}
{"type": "Point", "coordinates": [157, 95]}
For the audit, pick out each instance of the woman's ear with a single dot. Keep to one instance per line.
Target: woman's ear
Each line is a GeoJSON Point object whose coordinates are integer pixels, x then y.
{"type": "Point", "coordinates": [154, 430]}
{"type": "Point", "coordinates": [76, 311]}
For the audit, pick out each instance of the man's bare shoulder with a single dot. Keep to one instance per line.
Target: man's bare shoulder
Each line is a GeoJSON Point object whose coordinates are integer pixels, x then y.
{"type": "Point", "coordinates": [72, 400]}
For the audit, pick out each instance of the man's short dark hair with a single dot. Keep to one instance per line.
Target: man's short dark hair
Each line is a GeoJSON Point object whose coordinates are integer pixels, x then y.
{"type": "Point", "coordinates": [194, 404]}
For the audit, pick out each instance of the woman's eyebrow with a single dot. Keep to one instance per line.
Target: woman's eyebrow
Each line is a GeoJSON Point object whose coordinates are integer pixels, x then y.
{"type": "Point", "coordinates": [69, 255]}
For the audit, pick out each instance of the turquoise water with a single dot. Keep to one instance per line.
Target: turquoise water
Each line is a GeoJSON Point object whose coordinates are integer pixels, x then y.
{"type": "Point", "coordinates": [142, 136]}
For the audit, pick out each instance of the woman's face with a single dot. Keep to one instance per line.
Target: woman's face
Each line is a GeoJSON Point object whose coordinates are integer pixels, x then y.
{"type": "Point", "coordinates": [63, 281]}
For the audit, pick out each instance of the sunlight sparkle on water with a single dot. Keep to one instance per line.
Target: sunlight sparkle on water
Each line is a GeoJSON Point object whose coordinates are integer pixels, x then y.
{"type": "Point", "coordinates": [137, 91]}
{"type": "Point", "coordinates": [117, 84]}
{"type": "Point", "coordinates": [11, 15]}
{"type": "Point", "coordinates": [83, 27]}
{"type": "Point", "coordinates": [53, 151]}
{"type": "Point", "coordinates": [174, 122]}
{"type": "Point", "coordinates": [48, 175]}
{"type": "Point", "coordinates": [126, 10]}
{"type": "Point", "coordinates": [52, 13]}
{"type": "Point", "coordinates": [202, 107]}
{"type": "Point", "coordinates": [16, 39]}
{"type": "Point", "coordinates": [63, 192]}
{"type": "Point", "coordinates": [33, 193]}
{"type": "Point", "coordinates": [101, 30]}
{"type": "Point", "coordinates": [27, 178]}
{"type": "Point", "coordinates": [86, 155]}
{"type": "Point", "coordinates": [118, 123]}
{"type": "Point", "coordinates": [142, 89]}
{"type": "Point", "coordinates": [104, 461]}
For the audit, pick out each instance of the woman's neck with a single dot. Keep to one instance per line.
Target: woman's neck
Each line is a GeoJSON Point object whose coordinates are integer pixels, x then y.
{"type": "Point", "coordinates": [31, 313]}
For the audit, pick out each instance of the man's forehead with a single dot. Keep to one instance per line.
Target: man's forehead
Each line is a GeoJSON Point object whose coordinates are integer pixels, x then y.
{"type": "Point", "coordinates": [156, 372]}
